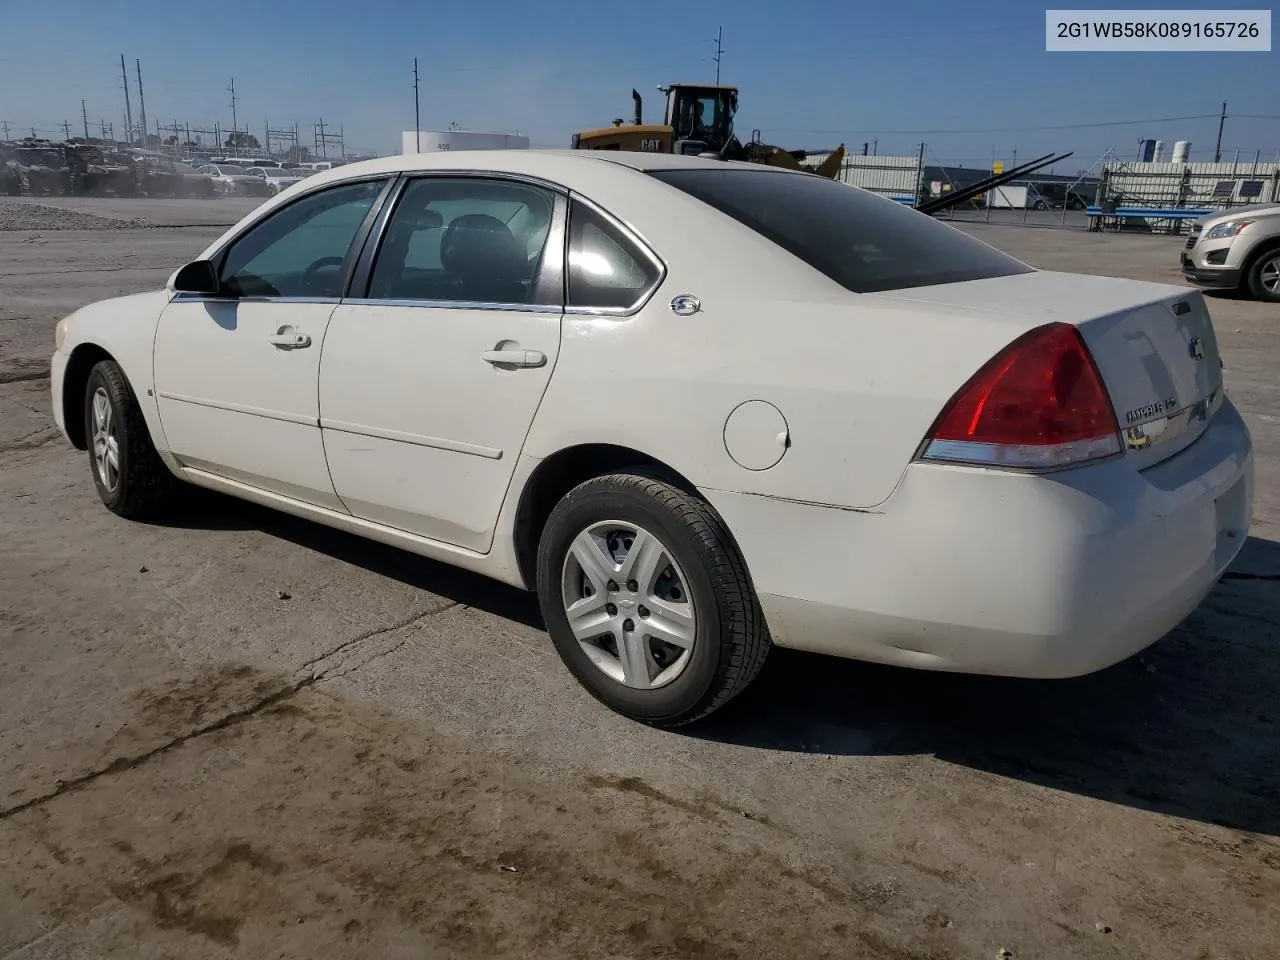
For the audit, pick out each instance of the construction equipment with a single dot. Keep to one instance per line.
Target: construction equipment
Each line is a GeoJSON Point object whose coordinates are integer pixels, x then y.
{"type": "Point", "coordinates": [699, 122]}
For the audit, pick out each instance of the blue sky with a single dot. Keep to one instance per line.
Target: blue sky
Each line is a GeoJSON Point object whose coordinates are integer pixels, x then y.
{"type": "Point", "coordinates": [966, 79]}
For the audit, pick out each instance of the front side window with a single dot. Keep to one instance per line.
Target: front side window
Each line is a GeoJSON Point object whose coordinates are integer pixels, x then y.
{"type": "Point", "coordinates": [464, 240]}
{"type": "Point", "coordinates": [299, 250]}
{"type": "Point", "coordinates": [606, 269]}
{"type": "Point", "coordinates": [863, 242]}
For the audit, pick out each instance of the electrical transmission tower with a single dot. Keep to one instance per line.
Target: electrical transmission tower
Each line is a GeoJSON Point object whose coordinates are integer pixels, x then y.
{"type": "Point", "coordinates": [325, 139]}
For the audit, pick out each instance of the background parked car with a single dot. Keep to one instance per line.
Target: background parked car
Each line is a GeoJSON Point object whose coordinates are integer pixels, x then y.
{"type": "Point", "coordinates": [1236, 249]}
{"type": "Point", "coordinates": [229, 179]}
{"type": "Point", "coordinates": [277, 178]}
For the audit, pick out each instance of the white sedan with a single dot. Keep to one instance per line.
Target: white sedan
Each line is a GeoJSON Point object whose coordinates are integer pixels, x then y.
{"type": "Point", "coordinates": [277, 178]}
{"type": "Point", "coordinates": [701, 408]}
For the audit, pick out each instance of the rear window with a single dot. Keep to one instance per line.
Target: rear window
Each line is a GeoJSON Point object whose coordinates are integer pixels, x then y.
{"type": "Point", "coordinates": [863, 242]}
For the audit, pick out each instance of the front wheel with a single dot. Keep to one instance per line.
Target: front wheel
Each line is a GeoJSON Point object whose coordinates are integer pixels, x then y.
{"type": "Point", "coordinates": [132, 480]}
{"type": "Point", "coordinates": [648, 601]}
{"type": "Point", "coordinates": [1264, 277]}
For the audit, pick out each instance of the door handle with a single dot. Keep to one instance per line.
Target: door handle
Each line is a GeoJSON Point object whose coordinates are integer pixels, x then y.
{"type": "Point", "coordinates": [290, 339]}
{"type": "Point", "coordinates": [514, 358]}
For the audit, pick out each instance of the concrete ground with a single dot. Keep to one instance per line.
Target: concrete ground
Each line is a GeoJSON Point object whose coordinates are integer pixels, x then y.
{"type": "Point", "coordinates": [242, 735]}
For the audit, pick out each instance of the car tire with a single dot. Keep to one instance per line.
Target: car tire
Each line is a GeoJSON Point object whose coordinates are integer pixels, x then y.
{"type": "Point", "coordinates": [698, 573]}
{"type": "Point", "coordinates": [138, 485]}
{"type": "Point", "coordinates": [1264, 276]}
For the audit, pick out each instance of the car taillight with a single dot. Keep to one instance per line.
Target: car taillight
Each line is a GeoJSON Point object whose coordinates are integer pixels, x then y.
{"type": "Point", "coordinates": [1039, 403]}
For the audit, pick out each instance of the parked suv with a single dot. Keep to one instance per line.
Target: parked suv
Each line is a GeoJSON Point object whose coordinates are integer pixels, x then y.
{"type": "Point", "coordinates": [1239, 247]}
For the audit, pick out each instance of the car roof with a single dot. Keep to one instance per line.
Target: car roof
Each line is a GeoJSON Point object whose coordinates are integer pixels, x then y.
{"type": "Point", "coordinates": [536, 162]}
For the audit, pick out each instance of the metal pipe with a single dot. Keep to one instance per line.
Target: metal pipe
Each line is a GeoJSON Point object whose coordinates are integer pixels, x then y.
{"type": "Point", "coordinates": [982, 186]}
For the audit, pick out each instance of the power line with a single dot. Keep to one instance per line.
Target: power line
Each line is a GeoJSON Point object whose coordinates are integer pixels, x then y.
{"type": "Point", "coordinates": [1063, 126]}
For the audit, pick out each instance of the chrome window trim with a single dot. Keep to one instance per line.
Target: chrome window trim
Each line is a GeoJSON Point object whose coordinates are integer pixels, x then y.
{"type": "Point", "coordinates": [201, 298]}
{"type": "Point", "coordinates": [451, 305]}
{"type": "Point", "coordinates": [631, 235]}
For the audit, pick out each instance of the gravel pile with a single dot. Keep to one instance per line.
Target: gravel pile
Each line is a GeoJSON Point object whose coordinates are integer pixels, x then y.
{"type": "Point", "coordinates": [24, 215]}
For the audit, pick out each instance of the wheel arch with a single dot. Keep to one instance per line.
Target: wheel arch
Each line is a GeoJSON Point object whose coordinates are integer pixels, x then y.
{"type": "Point", "coordinates": [1269, 245]}
{"type": "Point", "coordinates": [74, 383]}
{"type": "Point", "coordinates": [559, 473]}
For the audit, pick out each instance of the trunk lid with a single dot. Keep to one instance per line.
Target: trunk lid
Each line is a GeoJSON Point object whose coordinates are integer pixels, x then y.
{"type": "Point", "coordinates": [1154, 345]}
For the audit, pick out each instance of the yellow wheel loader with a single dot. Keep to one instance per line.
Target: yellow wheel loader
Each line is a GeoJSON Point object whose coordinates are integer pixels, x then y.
{"type": "Point", "coordinates": [698, 122]}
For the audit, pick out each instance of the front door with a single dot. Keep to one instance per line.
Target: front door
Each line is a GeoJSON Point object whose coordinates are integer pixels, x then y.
{"type": "Point", "coordinates": [430, 380]}
{"type": "Point", "coordinates": [236, 374]}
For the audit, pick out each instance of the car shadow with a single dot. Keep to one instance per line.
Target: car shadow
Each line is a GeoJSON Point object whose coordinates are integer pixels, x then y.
{"type": "Point", "coordinates": [1235, 293]}
{"type": "Point", "coordinates": [1190, 727]}
{"type": "Point", "coordinates": [205, 510]}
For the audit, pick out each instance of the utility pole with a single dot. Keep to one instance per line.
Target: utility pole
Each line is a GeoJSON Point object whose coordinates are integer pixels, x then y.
{"type": "Point", "coordinates": [142, 104]}
{"type": "Point", "coordinates": [919, 176]}
{"type": "Point", "coordinates": [875, 145]}
{"type": "Point", "coordinates": [417, 123]}
{"type": "Point", "coordinates": [719, 52]}
{"type": "Point", "coordinates": [1222, 118]}
{"type": "Point", "coordinates": [324, 153]}
{"type": "Point", "coordinates": [4, 125]}
{"type": "Point", "coordinates": [84, 115]}
{"type": "Point", "coordinates": [66, 130]}
{"type": "Point", "coordinates": [234, 128]}
{"type": "Point", "coordinates": [128, 107]}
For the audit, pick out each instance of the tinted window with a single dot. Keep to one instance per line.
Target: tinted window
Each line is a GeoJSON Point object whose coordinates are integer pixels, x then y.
{"type": "Point", "coordinates": [299, 251]}
{"type": "Point", "coordinates": [605, 267]}
{"type": "Point", "coordinates": [464, 241]}
{"type": "Point", "coordinates": [862, 242]}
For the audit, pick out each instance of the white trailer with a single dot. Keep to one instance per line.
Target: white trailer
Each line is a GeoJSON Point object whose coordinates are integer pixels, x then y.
{"type": "Point", "coordinates": [1008, 196]}
{"type": "Point", "coordinates": [430, 141]}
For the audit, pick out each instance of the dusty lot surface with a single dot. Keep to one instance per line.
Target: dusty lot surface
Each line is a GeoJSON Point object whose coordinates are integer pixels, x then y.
{"type": "Point", "coordinates": [241, 735]}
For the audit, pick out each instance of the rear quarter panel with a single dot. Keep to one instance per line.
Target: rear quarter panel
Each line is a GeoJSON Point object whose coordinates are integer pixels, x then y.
{"type": "Point", "coordinates": [858, 378]}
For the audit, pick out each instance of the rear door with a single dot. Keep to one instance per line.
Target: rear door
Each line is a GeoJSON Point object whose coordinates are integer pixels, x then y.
{"type": "Point", "coordinates": [433, 370]}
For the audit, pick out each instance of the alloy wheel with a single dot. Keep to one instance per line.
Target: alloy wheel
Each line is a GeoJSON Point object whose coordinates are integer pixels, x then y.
{"type": "Point", "coordinates": [106, 442]}
{"type": "Point", "coordinates": [1269, 276]}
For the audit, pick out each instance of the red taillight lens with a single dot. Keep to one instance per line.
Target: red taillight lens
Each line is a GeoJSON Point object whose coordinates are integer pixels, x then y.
{"type": "Point", "coordinates": [1039, 403]}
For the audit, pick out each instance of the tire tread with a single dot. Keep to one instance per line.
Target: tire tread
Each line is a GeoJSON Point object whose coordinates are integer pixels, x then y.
{"type": "Point", "coordinates": [148, 485]}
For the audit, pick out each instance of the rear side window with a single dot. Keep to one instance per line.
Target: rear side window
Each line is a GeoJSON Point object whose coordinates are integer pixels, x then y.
{"type": "Point", "coordinates": [863, 242]}
{"type": "Point", "coordinates": [607, 270]}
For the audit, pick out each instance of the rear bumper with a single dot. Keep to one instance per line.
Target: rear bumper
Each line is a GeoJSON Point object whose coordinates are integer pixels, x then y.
{"type": "Point", "coordinates": [983, 571]}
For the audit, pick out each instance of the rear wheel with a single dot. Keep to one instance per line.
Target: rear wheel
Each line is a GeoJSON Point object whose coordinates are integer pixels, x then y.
{"type": "Point", "coordinates": [647, 599]}
{"type": "Point", "coordinates": [1264, 276]}
{"type": "Point", "coordinates": [131, 478]}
